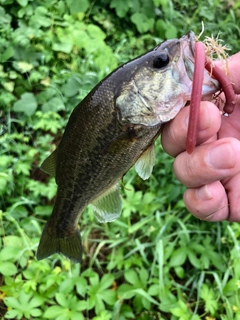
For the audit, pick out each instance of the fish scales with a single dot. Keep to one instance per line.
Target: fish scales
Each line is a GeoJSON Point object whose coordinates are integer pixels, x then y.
{"type": "Point", "coordinates": [112, 129]}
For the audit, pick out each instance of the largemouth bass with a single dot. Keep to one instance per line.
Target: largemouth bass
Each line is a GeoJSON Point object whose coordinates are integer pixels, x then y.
{"type": "Point", "coordinates": [112, 129]}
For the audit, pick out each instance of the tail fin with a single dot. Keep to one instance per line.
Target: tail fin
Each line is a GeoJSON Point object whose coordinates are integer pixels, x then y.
{"type": "Point", "coordinates": [71, 247]}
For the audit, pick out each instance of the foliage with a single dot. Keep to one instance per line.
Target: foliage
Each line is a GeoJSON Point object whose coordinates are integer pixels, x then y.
{"type": "Point", "coordinates": [155, 261]}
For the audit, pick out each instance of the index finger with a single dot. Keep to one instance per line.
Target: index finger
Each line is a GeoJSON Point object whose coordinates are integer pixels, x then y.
{"type": "Point", "coordinates": [175, 132]}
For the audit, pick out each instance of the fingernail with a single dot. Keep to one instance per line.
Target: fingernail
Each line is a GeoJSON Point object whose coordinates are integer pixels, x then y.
{"type": "Point", "coordinates": [222, 156]}
{"type": "Point", "coordinates": [204, 193]}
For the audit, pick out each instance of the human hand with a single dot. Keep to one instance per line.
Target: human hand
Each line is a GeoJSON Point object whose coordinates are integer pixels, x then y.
{"type": "Point", "coordinates": [212, 172]}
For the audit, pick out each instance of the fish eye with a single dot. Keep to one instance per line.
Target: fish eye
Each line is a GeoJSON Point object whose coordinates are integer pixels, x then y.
{"type": "Point", "coordinates": [161, 60]}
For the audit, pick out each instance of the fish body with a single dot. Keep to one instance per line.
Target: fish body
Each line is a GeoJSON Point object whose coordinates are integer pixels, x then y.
{"type": "Point", "coordinates": [112, 129]}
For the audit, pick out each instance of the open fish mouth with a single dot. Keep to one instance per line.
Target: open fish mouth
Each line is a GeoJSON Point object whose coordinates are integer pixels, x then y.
{"type": "Point", "coordinates": [210, 85]}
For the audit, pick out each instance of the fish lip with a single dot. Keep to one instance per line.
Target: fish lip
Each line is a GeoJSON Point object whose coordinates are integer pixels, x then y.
{"type": "Point", "coordinates": [187, 51]}
{"type": "Point", "coordinates": [210, 85]}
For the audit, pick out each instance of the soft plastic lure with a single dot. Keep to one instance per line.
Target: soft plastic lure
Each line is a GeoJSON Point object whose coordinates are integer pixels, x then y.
{"type": "Point", "coordinates": [202, 62]}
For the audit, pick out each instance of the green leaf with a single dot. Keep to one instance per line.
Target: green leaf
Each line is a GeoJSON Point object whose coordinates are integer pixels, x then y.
{"type": "Point", "coordinates": [78, 6]}
{"type": "Point", "coordinates": [62, 47]}
{"type": "Point", "coordinates": [53, 312]}
{"type": "Point", "coordinates": [106, 281]}
{"type": "Point", "coordinates": [178, 257]}
{"type": "Point", "coordinates": [207, 294]}
{"type": "Point", "coordinates": [62, 299]}
{"type": "Point", "coordinates": [109, 296]}
{"type": "Point", "coordinates": [12, 302]}
{"type": "Point", "coordinates": [14, 314]}
{"type": "Point", "coordinates": [8, 268]}
{"type": "Point", "coordinates": [8, 253]}
{"type": "Point", "coordinates": [24, 67]}
{"type": "Point", "coordinates": [142, 22]}
{"type": "Point", "coordinates": [81, 285]}
{"type": "Point", "coordinates": [71, 88]}
{"type": "Point", "coordinates": [121, 7]}
{"type": "Point", "coordinates": [7, 54]}
{"type": "Point", "coordinates": [55, 104]}
{"type": "Point", "coordinates": [171, 31]}
{"type": "Point", "coordinates": [35, 312]}
{"type": "Point", "coordinates": [132, 277]}
{"type": "Point", "coordinates": [23, 3]}
{"type": "Point", "coordinates": [26, 104]}
{"type": "Point", "coordinates": [181, 310]}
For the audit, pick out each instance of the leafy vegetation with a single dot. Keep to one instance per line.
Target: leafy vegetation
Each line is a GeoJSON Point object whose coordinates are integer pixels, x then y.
{"type": "Point", "coordinates": [156, 261]}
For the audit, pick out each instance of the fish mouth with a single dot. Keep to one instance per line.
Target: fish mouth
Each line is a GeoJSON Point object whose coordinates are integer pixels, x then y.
{"type": "Point", "coordinates": [187, 44]}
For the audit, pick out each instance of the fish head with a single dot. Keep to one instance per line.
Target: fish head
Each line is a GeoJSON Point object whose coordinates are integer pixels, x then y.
{"type": "Point", "coordinates": [160, 83]}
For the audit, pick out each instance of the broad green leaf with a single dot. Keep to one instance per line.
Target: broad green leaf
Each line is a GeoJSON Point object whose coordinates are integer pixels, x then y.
{"type": "Point", "coordinates": [153, 290]}
{"type": "Point", "coordinates": [192, 256]}
{"type": "Point", "coordinates": [13, 241]}
{"type": "Point", "coordinates": [78, 6]}
{"type": "Point", "coordinates": [96, 32]}
{"type": "Point", "coordinates": [106, 281]}
{"type": "Point", "coordinates": [62, 299]}
{"type": "Point", "coordinates": [71, 88]}
{"type": "Point", "coordinates": [171, 31]}
{"type": "Point", "coordinates": [53, 312]}
{"type": "Point", "coordinates": [81, 285]}
{"type": "Point", "coordinates": [7, 54]}
{"type": "Point", "coordinates": [9, 86]}
{"type": "Point", "coordinates": [142, 22]}
{"type": "Point", "coordinates": [12, 302]}
{"type": "Point", "coordinates": [63, 47]}
{"type": "Point", "coordinates": [8, 253]}
{"type": "Point", "coordinates": [35, 312]}
{"type": "Point", "coordinates": [132, 277]}
{"type": "Point", "coordinates": [178, 257]}
{"type": "Point", "coordinates": [55, 104]}
{"type": "Point", "coordinates": [180, 310]}
{"type": "Point", "coordinates": [23, 3]}
{"type": "Point", "coordinates": [109, 296]}
{"type": "Point", "coordinates": [121, 7]}
{"type": "Point", "coordinates": [24, 66]}
{"type": "Point", "coordinates": [13, 314]}
{"type": "Point", "coordinates": [8, 268]}
{"type": "Point", "coordinates": [26, 104]}
{"type": "Point", "coordinates": [35, 302]}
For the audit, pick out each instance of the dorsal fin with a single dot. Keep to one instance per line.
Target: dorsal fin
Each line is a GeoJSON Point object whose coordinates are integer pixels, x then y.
{"type": "Point", "coordinates": [49, 164]}
{"type": "Point", "coordinates": [108, 206]}
{"type": "Point", "coordinates": [146, 162]}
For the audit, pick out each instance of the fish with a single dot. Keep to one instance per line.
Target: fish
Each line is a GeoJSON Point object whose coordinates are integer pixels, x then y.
{"type": "Point", "coordinates": [112, 129]}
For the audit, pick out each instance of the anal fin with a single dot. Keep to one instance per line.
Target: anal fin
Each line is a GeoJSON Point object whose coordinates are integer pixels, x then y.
{"type": "Point", "coordinates": [108, 206]}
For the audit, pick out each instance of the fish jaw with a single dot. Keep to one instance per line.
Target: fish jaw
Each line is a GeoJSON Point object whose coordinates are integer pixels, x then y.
{"type": "Point", "coordinates": [210, 85]}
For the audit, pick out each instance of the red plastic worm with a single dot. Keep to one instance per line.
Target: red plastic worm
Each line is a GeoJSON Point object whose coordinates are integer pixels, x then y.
{"type": "Point", "coordinates": [196, 95]}
{"type": "Point", "coordinates": [225, 85]}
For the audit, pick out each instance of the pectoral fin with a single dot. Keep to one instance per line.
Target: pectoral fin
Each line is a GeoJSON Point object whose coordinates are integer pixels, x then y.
{"type": "Point", "coordinates": [108, 207]}
{"type": "Point", "coordinates": [49, 164]}
{"type": "Point", "coordinates": [146, 162]}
